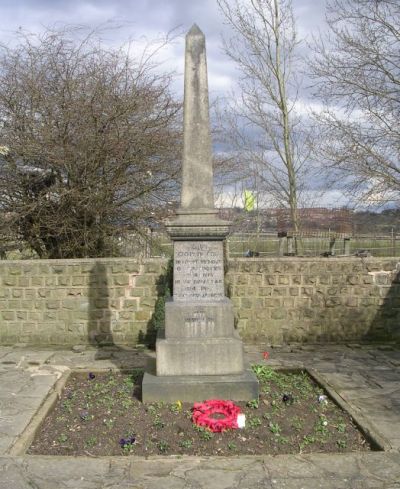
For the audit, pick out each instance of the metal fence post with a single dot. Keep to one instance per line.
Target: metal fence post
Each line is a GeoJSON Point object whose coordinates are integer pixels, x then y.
{"type": "Point", "coordinates": [290, 245]}
{"type": "Point", "coordinates": [346, 243]}
{"type": "Point", "coordinates": [332, 246]}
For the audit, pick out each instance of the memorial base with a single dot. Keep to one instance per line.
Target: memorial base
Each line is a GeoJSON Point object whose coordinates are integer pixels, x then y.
{"type": "Point", "coordinates": [199, 356]}
{"type": "Point", "coordinates": [198, 388]}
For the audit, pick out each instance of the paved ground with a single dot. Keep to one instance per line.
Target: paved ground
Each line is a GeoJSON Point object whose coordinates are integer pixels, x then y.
{"type": "Point", "coordinates": [368, 378]}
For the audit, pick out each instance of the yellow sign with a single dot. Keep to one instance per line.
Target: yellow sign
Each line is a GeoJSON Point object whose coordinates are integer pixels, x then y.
{"type": "Point", "coordinates": [249, 200]}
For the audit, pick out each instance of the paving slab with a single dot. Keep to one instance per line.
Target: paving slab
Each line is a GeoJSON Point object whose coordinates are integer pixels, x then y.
{"type": "Point", "coordinates": [377, 470]}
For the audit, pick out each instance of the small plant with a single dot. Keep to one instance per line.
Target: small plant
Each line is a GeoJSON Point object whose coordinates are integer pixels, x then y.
{"type": "Point", "coordinates": [176, 407]}
{"type": "Point", "coordinates": [254, 422]}
{"type": "Point", "coordinates": [126, 403]}
{"type": "Point", "coordinates": [341, 426]}
{"type": "Point", "coordinates": [253, 404]}
{"type": "Point", "coordinates": [263, 372]}
{"type": "Point", "coordinates": [67, 405]}
{"type": "Point", "coordinates": [321, 426]}
{"type": "Point", "coordinates": [109, 422]}
{"type": "Point", "coordinates": [163, 446]}
{"type": "Point", "coordinates": [112, 381]}
{"type": "Point", "coordinates": [276, 409]}
{"type": "Point", "coordinates": [127, 443]}
{"type": "Point", "coordinates": [341, 444]}
{"type": "Point", "coordinates": [62, 438]}
{"type": "Point", "coordinates": [91, 442]}
{"type": "Point", "coordinates": [283, 440]}
{"type": "Point", "coordinates": [307, 440]}
{"type": "Point", "coordinates": [297, 423]}
{"type": "Point", "coordinates": [274, 428]}
{"type": "Point", "coordinates": [232, 445]}
{"type": "Point", "coordinates": [204, 433]}
{"type": "Point", "coordinates": [186, 443]}
{"type": "Point", "coordinates": [151, 409]}
{"type": "Point", "coordinates": [107, 401]}
{"type": "Point", "coordinates": [158, 422]}
{"type": "Point", "coordinates": [129, 382]}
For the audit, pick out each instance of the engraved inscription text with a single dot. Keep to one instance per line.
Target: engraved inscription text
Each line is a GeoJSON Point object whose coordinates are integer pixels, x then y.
{"type": "Point", "coordinates": [198, 270]}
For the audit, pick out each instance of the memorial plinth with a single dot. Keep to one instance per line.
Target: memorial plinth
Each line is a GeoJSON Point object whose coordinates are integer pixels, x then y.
{"type": "Point", "coordinates": [199, 354]}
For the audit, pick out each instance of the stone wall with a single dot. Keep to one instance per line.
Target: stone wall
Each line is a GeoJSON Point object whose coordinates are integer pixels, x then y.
{"type": "Point", "coordinates": [316, 300]}
{"type": "Point", "coordinates": [67, 302]}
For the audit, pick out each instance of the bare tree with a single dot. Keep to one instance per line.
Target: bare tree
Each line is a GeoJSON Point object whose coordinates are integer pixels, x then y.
{"type": "Point", "coordinates": [90, 142]}
{"type": "Point", "coordinates": [357, 69]}
{"type": "Point", "coordinates": [263, 123]}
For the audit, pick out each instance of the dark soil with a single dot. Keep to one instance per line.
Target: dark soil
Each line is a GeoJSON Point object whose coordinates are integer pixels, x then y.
{"type": "Point", "coordinates": [104, 416]}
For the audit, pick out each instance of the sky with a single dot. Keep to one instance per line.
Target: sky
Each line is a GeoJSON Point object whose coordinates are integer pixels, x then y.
{"type": "Point", "coordinates": [148, 19]}
{"type": "Point", "coordinates": [144, 20]}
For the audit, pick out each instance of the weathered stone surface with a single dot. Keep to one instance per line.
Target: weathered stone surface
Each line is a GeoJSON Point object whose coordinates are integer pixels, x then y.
{"type": "Point", "coordinates": [192, 388]}
{"type": "Point", "coordinates": [198, 320]}
{"type": "Point", "coordinates": [196, 217]}
{"type": "Point", "coordinates": [197, 172]}
{"type": "Point", "coordinates": [199, 356]}
{"type": "Point", "coordinates": [198, 271]}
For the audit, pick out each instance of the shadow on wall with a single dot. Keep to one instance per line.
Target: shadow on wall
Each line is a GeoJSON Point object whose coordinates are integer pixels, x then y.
{"type": "Point", "coordinates": [386, 323]}
{"type": "Point", "coordinates": [99, 320]}
{"type": "Point", "coordinates": [157, 321]}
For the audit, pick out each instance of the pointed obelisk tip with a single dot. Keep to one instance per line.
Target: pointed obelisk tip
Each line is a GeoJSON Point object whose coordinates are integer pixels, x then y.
{"type": "Point", "coordinates": [195, 31]}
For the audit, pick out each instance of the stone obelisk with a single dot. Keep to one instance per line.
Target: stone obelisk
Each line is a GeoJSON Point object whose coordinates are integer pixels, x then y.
{"type": "Point", "coordinates": [199, 355]}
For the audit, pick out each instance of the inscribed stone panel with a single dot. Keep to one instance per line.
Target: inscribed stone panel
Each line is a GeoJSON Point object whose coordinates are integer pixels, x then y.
{"type": "Point", "coordinates": [198, 271]}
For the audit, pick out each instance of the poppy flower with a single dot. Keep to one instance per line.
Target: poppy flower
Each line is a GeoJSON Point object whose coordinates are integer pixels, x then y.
{"type": "Point", "coordinates": [265, 355]}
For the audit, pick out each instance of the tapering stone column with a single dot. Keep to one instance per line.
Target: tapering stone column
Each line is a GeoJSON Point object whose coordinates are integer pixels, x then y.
{"type": "Point", "coordinates": [200, 354]}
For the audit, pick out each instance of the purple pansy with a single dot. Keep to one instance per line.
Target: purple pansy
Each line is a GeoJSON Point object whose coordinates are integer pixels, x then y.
{"type": "Point", "coordinates": [84, 415]}
{"type": "Point", "coordinates": [288, 398]}
{"type": "Point", "coordinates": [129, 440]}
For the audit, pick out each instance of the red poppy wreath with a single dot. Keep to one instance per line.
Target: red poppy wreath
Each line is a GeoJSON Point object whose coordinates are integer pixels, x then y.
{"type": "Point", "coordinates": [203, 413]}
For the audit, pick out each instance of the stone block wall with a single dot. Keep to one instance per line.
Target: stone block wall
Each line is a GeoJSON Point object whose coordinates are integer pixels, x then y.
{"type": "Point", "coordinates": [316, 300]}
{"type": "Point", "coordinates": [277, 300]}
{"type": "Point", "coordinates": [67, 302]}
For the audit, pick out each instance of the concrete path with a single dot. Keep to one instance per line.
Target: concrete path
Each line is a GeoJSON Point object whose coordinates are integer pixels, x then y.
{"type": "Point", "coordinates": [368, 378]}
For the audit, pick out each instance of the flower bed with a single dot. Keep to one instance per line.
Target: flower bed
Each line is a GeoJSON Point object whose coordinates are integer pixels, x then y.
{"type": "Point", "coordinates": [101, 415]}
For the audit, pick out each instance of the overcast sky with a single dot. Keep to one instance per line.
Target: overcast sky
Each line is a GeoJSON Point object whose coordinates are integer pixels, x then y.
{"type": "Point", "coordinates": [150, 18]}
